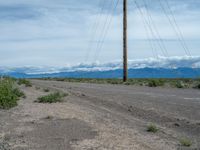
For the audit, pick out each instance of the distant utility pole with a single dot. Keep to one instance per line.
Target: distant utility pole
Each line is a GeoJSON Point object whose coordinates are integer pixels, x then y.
{"type": "Point", "coordinates": [125, 48]}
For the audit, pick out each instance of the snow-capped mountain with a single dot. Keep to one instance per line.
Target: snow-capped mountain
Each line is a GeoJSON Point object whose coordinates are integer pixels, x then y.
{"type": "Point", "coordinates": [171, 67]}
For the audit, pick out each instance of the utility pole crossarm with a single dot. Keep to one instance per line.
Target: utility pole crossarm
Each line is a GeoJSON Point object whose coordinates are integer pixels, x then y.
{"type": "Point", "coordinates": [125, 48]}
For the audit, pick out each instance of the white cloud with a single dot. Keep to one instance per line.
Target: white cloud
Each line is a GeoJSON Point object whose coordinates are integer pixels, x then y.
{"type": "Point", "coordinates": [56, 32]}
{"type": "Point", "coordinates": [161, 62]}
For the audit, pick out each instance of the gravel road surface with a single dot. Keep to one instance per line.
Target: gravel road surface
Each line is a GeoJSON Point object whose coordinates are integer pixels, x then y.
{"type": "Point", "coordinates": [102, 117]}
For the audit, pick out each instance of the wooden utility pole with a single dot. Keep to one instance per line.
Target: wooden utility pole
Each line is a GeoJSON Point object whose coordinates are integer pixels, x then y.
{"type": "Point", "coordinates": [125, 48]}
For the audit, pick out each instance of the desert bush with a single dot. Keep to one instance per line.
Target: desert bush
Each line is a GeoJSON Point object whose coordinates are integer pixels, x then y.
{"type": "Point", "coordinates": [9, 78]}
{"type": "Point", "coordinates": [25, 82]}
{"type": "Point", "coordinates": [197, 86]}
{"type": "Point", "coordinates": [175, 83]}
{"type": "Point", "coordinates": [180, 84]}
{"type": "Point", "coordinates": [19, 93]}
{"type": "Point", "coordinates": [9, 95]}
{"type": "Point", "coordinates": [152, 128]}
{"type": "Point", "coordinates": [51, 98]}
{"type": "Point", "coordinates": [185, 142]}
{"type": "Point", "coordinates": [155, 82]}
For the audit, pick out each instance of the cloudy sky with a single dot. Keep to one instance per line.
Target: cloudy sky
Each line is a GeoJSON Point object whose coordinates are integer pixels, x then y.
{"type": "Point", "coordinates": [63, 32]}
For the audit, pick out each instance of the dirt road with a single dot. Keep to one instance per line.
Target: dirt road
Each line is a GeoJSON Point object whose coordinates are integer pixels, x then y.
{"type": "Point", "coordinates": [102, 117]}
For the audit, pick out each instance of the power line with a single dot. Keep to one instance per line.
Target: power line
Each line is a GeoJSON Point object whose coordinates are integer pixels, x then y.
{"type": "Point", "coordinates": [151, 21]}
{"type": "Point", "coordinates": [175, 28]}
{"type": "Point", "coordinates": [146, 26]}
{"type": "Point", "coordinates": [153, 29]}
{"type": "Point", "coordinates": [106, 30]}
{"type": "Point", "coordinates": [95, 28]}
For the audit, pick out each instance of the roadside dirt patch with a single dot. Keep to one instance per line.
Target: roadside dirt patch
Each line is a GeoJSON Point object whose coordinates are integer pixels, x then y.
{"type": "Point", "coordinates": [58, 134]}
{"type": "Point", "coordinates": [100, 117]}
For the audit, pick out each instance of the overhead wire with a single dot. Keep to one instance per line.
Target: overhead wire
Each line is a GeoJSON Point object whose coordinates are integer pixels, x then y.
{"type": "Point", "coordinates": [95, 28]}
{"type": "Point", "coordinates": [148, 24]}
{"type": "Point", "coordinates": [105, 28]}
{"type": "Point", "coordinates": [146, 27]}
{"type": "Point", "coordinates": [156, 34]}
{"type": "Point", "coordinates": [180, 34]}
{"type": "Point", "coordinates": [149, 21]}
{"type": "Point", "coordinates": [175, 27]}
{"type": "Point", "coordinates": [178, 28]}
{"type": "Point", "coordinates": [152, 23]}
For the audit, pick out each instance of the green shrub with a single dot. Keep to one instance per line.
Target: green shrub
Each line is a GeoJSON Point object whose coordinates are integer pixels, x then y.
{"type": "Point", "coordinates": [51, 98]}
{"type": "Point", "coordinates": [19, 93]}
{"type": "Point", "coordinates": [175, 83]}
{"type": "Point", "coordinates": [9, 78]}
{"type": "Point", "coordinates": [25, 82]}
{"type": "Point", "coordinates": [9, 95]}
{"type": "Point", "coordinates": [197, 86]}
{"type": "Point", "coordinates": [155, 82]}
{"type": "Point", "coordinates": [185, 142]}
{"type": "Point", "coordinates": [180, 84]}
{"type": "Point", "coordinates": [152, 128]}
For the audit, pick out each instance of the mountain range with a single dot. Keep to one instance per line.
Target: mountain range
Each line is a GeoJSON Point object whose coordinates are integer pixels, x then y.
{"type": "Point", "coordinates": [161, 67]}
{"type": "Point", "coordinates": [133, 73]}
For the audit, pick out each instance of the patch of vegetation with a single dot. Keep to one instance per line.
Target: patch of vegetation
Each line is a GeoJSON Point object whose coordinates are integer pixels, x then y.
{"type": "Point", "coordinates": [197, 85]}
{"type": "Point", "coordinates": [9, 78]}
{"type": "Point", "coordinates": [155, 83]}
{"type": "Point", "coordinates": [25, 82]}
{"type": "Point", "coordinates": [19, 93]}
{"type": "Point", "coordinates": [9, 94]}
{"type": "Point", "coordinates": [174, 83]}
{"type": "Point", "coordinates": [52, 98]}
{"type": "Point", "coordinates": [180, 84]}
{"type": "Point", "coordinates": [152, 128]}
{"type": "Point", "coordinates": [185, 142]}
{"type": "Point", "coordinates": [46, 90]}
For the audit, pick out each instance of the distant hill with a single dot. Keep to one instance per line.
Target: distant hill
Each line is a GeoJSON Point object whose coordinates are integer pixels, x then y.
{"type": "Point", "coordinates": [161, 67]}
{"type": "Point", "coordinates": [133, 73]}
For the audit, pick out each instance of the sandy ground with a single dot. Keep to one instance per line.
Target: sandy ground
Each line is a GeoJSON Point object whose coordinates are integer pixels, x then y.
{"type": "Point", "coordinates": [102, 117]}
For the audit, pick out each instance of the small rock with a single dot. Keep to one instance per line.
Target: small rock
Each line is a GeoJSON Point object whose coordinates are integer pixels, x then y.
{"type": "Point", "coordinates": [177, 124]}
{"type": "Point", "coordinates": [83, 95]}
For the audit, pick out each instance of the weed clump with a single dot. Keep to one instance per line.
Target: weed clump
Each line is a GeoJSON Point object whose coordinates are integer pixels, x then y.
{"type": "Point", "coordinates": [51, 98]}
{"type": "Point", "coordinates": [9, 95]}
{"type": "Point", "coordinates": [25, 82]}
{"type": "Point", "coordinates": [152, 128]}
{"type": "Point", "coordinates": [19, 93]}
{"type": "Point", "coordinates": [155, 83]}
{"type": "Point", "coordinates": [185, 142]}
{"type": "Point", "coordinates": [180, 84]}
{"type": "Point", "coordinates": [150, 82]}
{"type": "Point", "coordinates": [197, 86]}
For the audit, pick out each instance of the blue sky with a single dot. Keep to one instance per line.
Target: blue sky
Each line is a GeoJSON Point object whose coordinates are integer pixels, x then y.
{"type": "Point", "coordinates": [61, 32]}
